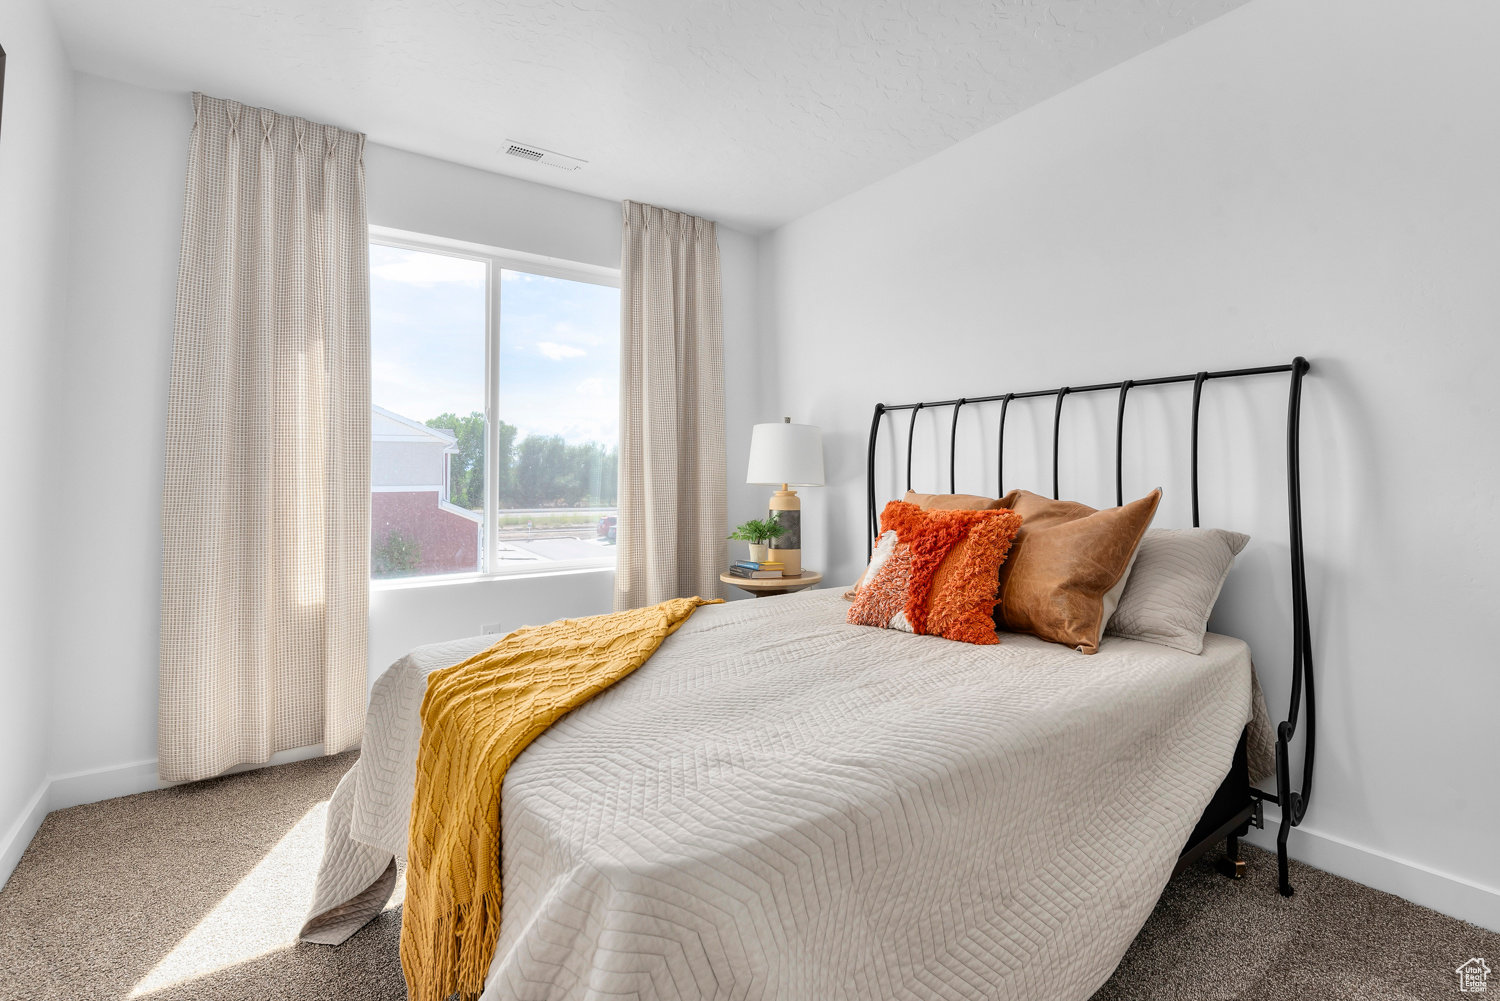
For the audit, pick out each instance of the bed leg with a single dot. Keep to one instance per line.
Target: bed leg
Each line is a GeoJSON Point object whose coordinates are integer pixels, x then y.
{"type": "Point", "coordinates": [1281, 865]}
{"type": "Point", "coordinates": [1231, 865]}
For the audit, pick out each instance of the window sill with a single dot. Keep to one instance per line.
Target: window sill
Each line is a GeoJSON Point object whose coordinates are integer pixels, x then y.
{"type": "Point", "coordinates": [555, 569]}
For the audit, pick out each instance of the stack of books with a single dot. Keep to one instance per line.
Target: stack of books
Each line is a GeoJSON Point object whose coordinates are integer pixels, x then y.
{"type": "Point", "coordinates": [756, 571]}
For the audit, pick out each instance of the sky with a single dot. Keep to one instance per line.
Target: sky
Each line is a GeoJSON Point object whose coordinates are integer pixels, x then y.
{"type": "Point", "coordinates": [559, 345]}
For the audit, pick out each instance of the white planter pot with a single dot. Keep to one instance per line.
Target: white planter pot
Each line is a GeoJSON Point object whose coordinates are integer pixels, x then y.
{"type": "Point", "coordinates": [760, 554]}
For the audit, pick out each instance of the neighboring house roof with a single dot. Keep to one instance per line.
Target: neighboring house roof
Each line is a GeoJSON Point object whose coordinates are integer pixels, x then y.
{"type": "Point", "coordinates": [475, 516]}
{"type": "Point", "coordinates": [387, 425]}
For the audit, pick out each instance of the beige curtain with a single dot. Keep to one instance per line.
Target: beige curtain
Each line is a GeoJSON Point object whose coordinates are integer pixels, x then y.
{"type": "Point", "coordinates": [265, 509]}
{"type": "Point", "coordinates": [672, 488]}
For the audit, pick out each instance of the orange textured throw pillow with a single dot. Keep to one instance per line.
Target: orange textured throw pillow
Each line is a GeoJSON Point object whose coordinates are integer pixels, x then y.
{"type": "Point", "coordinates": [936, 573]}
{"type": "Point", "coordinates": [941, 502]}
{"type": "Point", "coordinates": [1069, 566]}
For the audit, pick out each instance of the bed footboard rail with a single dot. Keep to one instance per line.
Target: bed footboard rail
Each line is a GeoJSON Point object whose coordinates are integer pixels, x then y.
{"type": "Point", "coordinates": [1302, 710]}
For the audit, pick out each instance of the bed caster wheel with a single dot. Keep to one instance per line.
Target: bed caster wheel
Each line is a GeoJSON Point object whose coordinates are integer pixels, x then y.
{"type": "Point", "coordinates": [1232, 867]}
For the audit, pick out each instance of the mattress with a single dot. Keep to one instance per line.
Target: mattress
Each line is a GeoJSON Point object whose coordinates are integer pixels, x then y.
{"type": "Point", "coordinates": [782, 805]}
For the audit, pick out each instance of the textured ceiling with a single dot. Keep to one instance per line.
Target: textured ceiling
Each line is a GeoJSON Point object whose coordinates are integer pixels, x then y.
{"type": "Point", "coordinates": [752, 112]}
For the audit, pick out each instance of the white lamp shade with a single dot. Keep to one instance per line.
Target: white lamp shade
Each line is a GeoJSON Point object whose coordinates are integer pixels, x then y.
{"type": "Point", "coordinates": [786, 453]}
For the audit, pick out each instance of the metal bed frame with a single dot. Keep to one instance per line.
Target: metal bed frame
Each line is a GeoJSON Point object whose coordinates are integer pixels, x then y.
{"type": "Point", "coordinates": [1236, 805]}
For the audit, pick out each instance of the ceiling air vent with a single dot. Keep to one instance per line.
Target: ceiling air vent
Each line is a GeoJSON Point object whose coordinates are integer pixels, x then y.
{"type": "Point", "coordinates": [536, 154]}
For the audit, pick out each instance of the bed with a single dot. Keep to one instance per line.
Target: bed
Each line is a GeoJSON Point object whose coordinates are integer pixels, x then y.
{"type": "Point", "coordinates": [782, 805]}
{"type": "Point", "coordinates": [779, 804]}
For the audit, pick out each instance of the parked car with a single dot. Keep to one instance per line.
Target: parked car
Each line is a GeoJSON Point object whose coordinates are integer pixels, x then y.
{"type": "Point", "coordinates": [607, 528]}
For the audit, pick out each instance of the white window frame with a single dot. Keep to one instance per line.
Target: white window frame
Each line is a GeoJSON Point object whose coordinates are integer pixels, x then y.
{"type": "Point", "coordinates": [495, 260]}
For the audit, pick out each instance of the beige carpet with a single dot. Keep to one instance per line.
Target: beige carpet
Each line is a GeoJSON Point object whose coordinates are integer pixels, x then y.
{"type": "Point", "coordinates": [198, 891]}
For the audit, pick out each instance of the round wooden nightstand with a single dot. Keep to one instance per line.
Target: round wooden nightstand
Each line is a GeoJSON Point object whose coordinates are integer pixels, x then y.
{"type": "Point", "coordinates": [767, 586]}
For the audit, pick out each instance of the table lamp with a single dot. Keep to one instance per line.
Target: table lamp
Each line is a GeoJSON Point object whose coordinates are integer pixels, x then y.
{"type": "Point", "coordinates": [790, 455]}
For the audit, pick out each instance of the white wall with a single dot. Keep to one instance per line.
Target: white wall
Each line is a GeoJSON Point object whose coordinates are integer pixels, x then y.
{"type": "Point", "coordinates": [107, 401]}
{"type": "Point", "coordinates": [405, 615]}
{"type": "Point", "coordinates": [1294, 177]}
{"type": "Point", "coordinates": [34, 141]}
{"type": "Point", "coordinates": [747, 371]}
{"type": "Point", "coordinates": [130, 155]}
{"type": "Point", "coordinates": [418, 193]}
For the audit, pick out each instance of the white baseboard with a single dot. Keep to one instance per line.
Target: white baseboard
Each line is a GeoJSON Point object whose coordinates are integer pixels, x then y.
{"type": "Point", "coordinates": [1443, 892]}
{"type": "Point", "coordinates": [77, 788]}
{"type": "Point", "coordinates": [13, 846]}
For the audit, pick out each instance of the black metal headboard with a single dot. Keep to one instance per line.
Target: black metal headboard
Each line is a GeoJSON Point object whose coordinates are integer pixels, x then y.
{"type": "Point", "coordinates": [1293, 803]}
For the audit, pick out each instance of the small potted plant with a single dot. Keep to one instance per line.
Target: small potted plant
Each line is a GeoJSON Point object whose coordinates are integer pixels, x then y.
{"type": "Point", "coordinates": [759, 533]}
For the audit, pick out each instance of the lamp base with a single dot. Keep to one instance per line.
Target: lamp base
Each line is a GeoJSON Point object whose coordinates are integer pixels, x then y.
{"type": "Point", "coordinates": [791, 560]}
{"type": "Point", "coordinates": [786, 508]}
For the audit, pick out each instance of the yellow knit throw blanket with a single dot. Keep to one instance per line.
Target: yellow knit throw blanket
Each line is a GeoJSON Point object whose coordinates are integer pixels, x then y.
{"type": "Point", "coordinates": [477, 716]}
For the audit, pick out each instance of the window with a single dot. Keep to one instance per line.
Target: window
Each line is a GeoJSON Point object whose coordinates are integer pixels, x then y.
{"type": "Point", "coordinates": [494, 380]}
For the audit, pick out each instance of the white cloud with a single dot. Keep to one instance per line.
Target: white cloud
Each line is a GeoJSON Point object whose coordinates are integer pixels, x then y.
{"type": "Point", "coordinates": [419, 268]}
{"type": "Point", "coordinates": [591, 387]}
{"type": "Point", "coordinates": [571, 332]}
{"type": "Point", "coordinates": [557, 352]}
{"type": "Point", "coordinates": [603, 428]}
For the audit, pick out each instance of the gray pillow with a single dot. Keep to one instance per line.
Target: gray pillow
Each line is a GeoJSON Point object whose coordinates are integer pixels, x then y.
{"type": "Point", "coordinates": [1173, 585]}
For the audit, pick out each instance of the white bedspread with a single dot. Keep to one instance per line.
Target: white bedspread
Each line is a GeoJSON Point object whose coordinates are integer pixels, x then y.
{"type": "Point", "coordinates": [779, 805]}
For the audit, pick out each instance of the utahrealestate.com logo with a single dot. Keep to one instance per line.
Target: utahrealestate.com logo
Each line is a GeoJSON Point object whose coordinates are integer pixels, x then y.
{"type": "Point", "coordinates": [1472, 976]}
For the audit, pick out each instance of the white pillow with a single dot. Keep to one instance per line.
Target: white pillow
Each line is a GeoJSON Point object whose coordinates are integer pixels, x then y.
{"type": "Point", "coordinates": [1174, 584]}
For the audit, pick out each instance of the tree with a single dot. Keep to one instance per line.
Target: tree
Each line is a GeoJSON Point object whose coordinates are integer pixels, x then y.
{"type": "Point", "coordinates": [506, 460]}
{"type": "Point", "coordinates": [466, 469]}
{"type": "Point", "coordinates": [542, 472]}
{"type": "Point", "coordinates": [539, 471]}
{"type": "Point", "coordinates": [601, 470]}
{"type": "Point", "coordinates": [551, 473]}
{"type": "Point", "coordinates": [397, 556]}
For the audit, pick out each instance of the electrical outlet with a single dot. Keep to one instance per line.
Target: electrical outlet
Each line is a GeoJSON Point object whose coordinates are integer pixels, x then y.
{"type": "Point", "coordinates": [493, 627]}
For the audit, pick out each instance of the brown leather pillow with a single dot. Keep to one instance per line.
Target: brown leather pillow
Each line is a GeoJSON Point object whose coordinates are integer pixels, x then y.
{"type": "Point", "coordinates": [942, 502]}
{"type": "Point", "coordinates": [1067, 561]}
{"type": "Point", "coordinates": [958, 502]}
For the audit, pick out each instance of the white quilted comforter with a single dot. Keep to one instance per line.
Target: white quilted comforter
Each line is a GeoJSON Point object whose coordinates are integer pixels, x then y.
{"type": "Point", "coordinates": [779, 805]}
